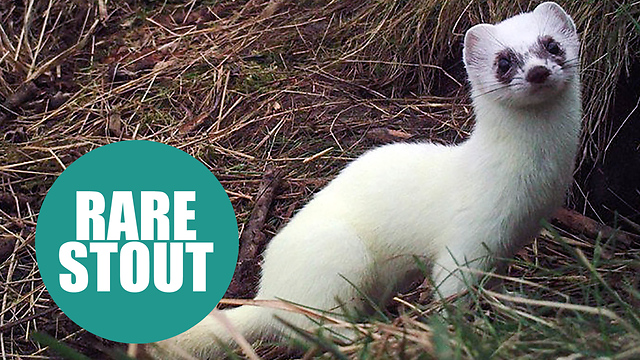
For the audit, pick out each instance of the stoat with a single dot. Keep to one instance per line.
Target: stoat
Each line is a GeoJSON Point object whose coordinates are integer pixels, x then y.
{"type": "Point", "coordinates": [450, 206]}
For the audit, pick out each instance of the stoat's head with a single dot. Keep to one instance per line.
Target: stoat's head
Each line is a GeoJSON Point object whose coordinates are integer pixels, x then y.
{"type": "Point", "coordinates": [525, 60]}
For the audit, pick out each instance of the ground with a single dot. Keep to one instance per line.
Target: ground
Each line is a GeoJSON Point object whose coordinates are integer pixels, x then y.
{"type": "Point", "coordinates": [245, 86]}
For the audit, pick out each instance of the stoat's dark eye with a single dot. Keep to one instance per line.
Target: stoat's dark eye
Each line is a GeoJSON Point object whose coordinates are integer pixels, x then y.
{"type": "Point", "coordinates": [552, 47]}
{"type": "Point", "coordinates": [504, 65]}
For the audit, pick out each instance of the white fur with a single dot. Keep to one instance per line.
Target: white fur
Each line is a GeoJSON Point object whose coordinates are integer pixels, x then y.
{"type": "Point", "coordinates": [447, 205]}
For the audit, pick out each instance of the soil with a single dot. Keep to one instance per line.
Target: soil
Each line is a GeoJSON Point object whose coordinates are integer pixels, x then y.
{"type": "Point", "coordinates": [359, 119]}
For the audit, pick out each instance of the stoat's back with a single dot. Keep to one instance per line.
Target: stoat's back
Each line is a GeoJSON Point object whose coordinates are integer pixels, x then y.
{"type": "Point", "coordinates": [456, 206]}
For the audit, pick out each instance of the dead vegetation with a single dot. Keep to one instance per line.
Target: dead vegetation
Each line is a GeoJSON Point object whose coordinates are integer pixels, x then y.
{"type": "Point", "coordinates": [241, 85]}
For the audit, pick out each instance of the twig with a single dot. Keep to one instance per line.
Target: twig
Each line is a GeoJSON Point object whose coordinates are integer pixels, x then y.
{"type": "Point", "coordinates": [25, 319]}
{"type": "Point", "coordinates": [270, 9]}
{"type": "Point", "coordinates": [25, 29]}
{"type": "Point", "coordinates": [253, 237]}
{"type": "Point", "coordinates": [25, 92]}
{"type": "Point", "coordinates": [28, 89]}
{"type": "Point", "coordinates": [63, 55]}
{"type": "Point", "coordinates": [42, 30]}
{"type": "Point", "coordinates": [591, 228]}
{"type": "Point", "coordinates": [102, 10]}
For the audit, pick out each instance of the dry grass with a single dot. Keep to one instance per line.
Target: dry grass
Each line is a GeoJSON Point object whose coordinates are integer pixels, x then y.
{"type": "Point", "coordinates": [306, 86]}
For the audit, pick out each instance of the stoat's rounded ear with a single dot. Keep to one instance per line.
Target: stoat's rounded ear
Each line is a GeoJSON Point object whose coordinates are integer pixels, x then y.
{"type": "Point", "coordinates": [556, 16]}
{"type": "Point", "coordinates": [475, 44]}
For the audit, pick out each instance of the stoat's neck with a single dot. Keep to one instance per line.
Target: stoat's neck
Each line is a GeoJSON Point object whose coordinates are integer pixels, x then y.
{"type": "Point", "coordinates": [521, 159]}
{"type": "Point", "coordinates": [541, 138]}
{"type": "Point", "coordinates": [518, 164]}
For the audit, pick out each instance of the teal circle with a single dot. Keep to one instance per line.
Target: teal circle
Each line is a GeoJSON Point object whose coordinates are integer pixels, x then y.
{"type": "Point", "coordinates": [129, 312]}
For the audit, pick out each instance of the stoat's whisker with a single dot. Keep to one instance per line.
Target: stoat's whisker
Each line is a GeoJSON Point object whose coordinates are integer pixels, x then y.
{"type": "Point", "coordinates": [460, 206]}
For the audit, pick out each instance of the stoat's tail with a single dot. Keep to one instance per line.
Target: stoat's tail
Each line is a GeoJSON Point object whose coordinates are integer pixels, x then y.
{"type": "Point", "coordinates": [204, 340]}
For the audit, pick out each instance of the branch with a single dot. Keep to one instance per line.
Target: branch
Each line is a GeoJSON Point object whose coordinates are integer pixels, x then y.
{"type": "Point", "coordinates": [591, 228]}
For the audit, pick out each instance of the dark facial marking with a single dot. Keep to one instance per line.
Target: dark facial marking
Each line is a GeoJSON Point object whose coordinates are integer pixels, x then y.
{"type": "Point", "coordinates": [548, 48]}
{"type": "Point", "coordinates": [553, 47]}
{"type": "Point", "coordinates": [506, 64]}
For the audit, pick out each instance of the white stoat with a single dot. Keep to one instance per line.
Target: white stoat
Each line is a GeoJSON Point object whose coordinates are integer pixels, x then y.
{"type": "Point", "coordinates": [448, 205]}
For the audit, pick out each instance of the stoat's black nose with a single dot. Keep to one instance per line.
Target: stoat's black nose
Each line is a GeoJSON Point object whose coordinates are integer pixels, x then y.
{"type": "Point", "coordinates": [538, 74]}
